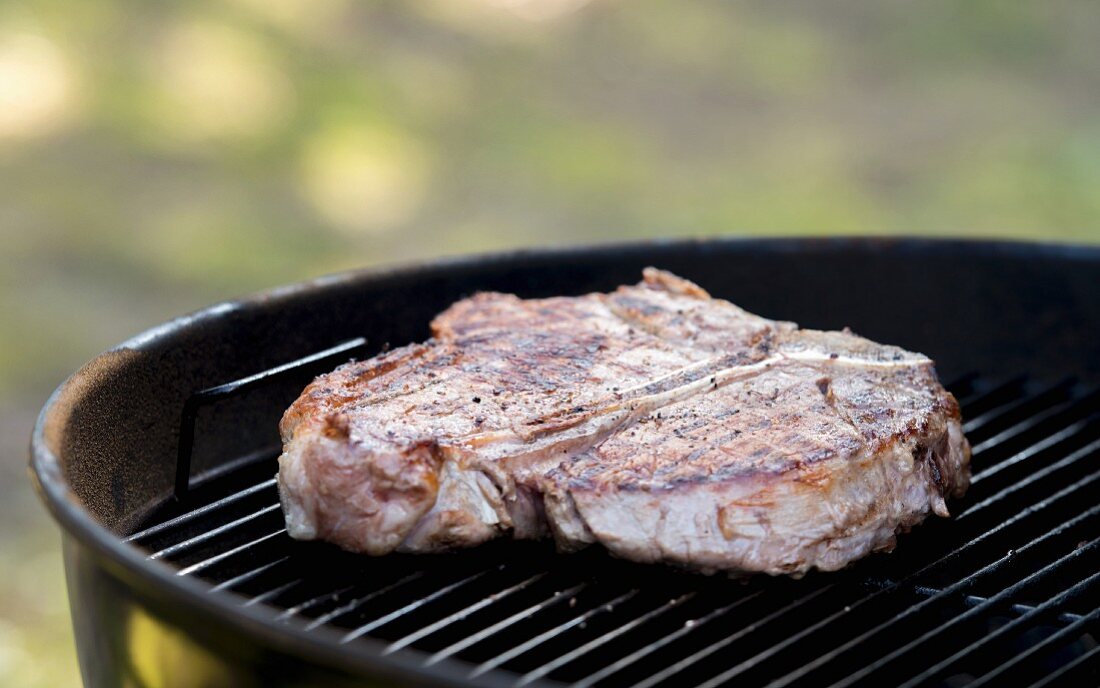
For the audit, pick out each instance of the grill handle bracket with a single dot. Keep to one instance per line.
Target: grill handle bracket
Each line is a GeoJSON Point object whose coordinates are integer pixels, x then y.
{"type": "Point", "coordinates": [211, 395]}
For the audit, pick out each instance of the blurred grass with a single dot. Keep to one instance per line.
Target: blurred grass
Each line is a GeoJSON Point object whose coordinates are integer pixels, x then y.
{"type": "Point", "coordinates": [156, 157]}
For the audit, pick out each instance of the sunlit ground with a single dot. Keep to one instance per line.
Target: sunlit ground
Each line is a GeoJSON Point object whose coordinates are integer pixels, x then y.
{"type": "Point", "coordinates": [156, 157]}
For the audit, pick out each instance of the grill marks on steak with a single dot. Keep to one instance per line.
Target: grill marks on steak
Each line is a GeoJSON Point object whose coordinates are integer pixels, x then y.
{"type": "Point", "coordinates": [655, 420]}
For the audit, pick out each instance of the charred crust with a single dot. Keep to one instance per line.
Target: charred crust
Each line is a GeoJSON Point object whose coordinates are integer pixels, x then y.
{"type": "Point", "coordinates": [336, 426]}
{"type": "Point", "coordinates": [935, 457]}
{"type": "Point", "coordinates": [928, 456]}
{"type": "Point", "coordinates": [361, 373]}
{"type": "Point", "coordinates": [946, 401]}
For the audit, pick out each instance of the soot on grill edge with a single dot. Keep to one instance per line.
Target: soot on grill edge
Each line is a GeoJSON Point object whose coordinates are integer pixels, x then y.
{"type": "Point", "coordinates": [1007, 587]}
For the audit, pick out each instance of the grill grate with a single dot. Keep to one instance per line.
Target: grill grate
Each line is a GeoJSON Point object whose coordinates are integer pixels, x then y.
{"type": "Point", "coordinates": [1009, 587]}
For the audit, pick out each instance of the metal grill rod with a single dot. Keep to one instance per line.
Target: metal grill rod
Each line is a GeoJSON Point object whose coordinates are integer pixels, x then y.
{"type": "Point", "coordinates": [1061, 598]}
{"type": "Point", "coordinates": [271, 592]}
{"type": "Point", "coordinates": [210, 395]}
{"type": "Point", "coordinates": [460, 614]}
{"type": "Point", "coordinates": [895, 586]}
{"type": "Point", "coordinates": [201, 511]}
{"type": "Point", "coordinates": [274, 592]}
{"type": "Point", "coordinates": [546, 635]}
{"type": "Point", "coordinates": [383, 620]}
{"type": "Point", "coordinates": [562, 660]}
{"type": "Point", "coordinates": [206, 563]}
{"type": "Point", "coordinates": [1038, 506]}
{"type": "Point", "coordinates": [502, 624]}
{"type": "Point", "coordinates": [970, 613]}
{"type": "Point", "coordinates": [714, 647]}
{"type": "Point", "coordinates": [753, 661]}
{"type": "Point", "coordinates": [1030, 510]}
{"type": "Point", "coordinates": [664, 640]}
{"type": "Point", "coordinates": [214, 532]}
{"type": "Point", "coordinates": [1046, 443]}
{"type": "Point", "coordinates": [350, 606]}
{"type": "Point", "coordinates": [1032, 421]}
{"type": "Point", "coordinates": [1012, 407]}
{"type": "Point", "coordinates": [248, 575]}
{"type": "Point", "coordinates": [252, 573]}
{"type": "Point", "coordinates": [1065, 634]}
{"type": "Point", "coordinates": [313, 602]}
{"type": "Point", "coordinates": [940, 595]}
{"type": "Point", "coordinates": [975, 600]}
{"type": "Point", "coordinates": [1076, 456]}
{"type": "Point", "coordinates": [1058, 677]}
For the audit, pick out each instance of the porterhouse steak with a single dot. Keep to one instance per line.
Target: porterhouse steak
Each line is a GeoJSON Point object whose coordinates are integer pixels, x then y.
{"type": "Point", "coordinates": [662, 423]}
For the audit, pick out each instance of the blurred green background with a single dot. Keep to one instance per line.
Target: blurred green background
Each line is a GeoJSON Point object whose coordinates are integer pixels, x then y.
{"type": "Point", "coordinates": [156, 157]}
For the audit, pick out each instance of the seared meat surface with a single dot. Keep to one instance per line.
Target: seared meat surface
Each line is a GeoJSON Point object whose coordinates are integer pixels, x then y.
{"type": "Point", "coordinates": [662, 423]}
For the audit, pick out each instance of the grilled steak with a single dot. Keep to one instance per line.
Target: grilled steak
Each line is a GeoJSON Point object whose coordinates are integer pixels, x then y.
{"type": "Point", "coordinates": [662, 423]}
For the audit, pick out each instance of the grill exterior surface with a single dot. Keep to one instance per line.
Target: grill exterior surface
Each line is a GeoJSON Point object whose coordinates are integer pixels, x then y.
{"type": "Point", "coordinates": [158, 460]}
{"type": "Point", "coordinates": [1009, 586]}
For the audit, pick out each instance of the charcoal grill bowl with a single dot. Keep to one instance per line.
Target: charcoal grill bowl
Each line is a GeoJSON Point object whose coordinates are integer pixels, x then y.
{"type": "Point", "coordinates": [104, 446]}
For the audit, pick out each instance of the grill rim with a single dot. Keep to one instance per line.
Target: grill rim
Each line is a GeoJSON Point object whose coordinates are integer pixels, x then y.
{"type": "Point", "coordinates": [322, 645]}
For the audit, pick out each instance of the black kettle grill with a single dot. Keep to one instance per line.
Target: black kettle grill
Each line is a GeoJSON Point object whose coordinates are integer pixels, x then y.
{"type": "Point", "coordinates": [157, 458]}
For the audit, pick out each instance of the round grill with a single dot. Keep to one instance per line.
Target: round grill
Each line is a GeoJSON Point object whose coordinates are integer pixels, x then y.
{"type": "Point", "coordinates": [170, 442]}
